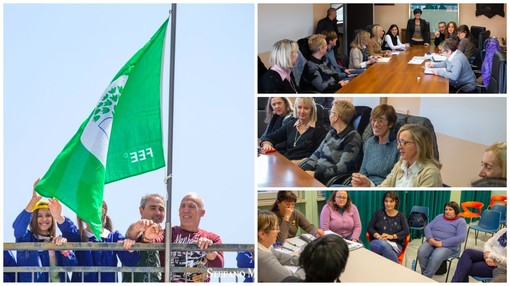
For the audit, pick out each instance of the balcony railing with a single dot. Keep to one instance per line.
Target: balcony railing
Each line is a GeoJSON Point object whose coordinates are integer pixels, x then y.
{"type": "Point", "coordinates": [236, 274]}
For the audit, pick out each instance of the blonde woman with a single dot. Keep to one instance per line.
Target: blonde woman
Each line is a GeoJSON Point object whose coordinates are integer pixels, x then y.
{"type": "Point", "coordinates": [358, 58]}
{"type": "Point", "coordinates": [279, 78]}
{"type": "Point", "coordinates": [376, 43]}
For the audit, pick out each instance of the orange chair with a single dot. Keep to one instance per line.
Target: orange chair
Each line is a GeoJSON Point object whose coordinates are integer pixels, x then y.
{"type": "Point", "coordinates": [467, 213]}
{"type": "Point", "coordinates": [495, 199]}
{"type": "Point", "coordinates": [401, 255]}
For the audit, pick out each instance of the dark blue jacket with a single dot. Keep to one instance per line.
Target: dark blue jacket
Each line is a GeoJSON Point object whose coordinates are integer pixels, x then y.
{"type": "Point", "coordinates": [36, 258]}
{"type": "Point", "coordinates": [98, 257]}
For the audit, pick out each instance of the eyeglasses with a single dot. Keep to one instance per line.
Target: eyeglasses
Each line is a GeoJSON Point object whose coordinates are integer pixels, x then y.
{"type": "Point", "coordinates": [341, 197]}
{"type": "Point", "coordinates": [331, 112]}
{"type": "Point", "coordinates": [380, 120]}
{"type": "Point", "coordinates": [403, 142]}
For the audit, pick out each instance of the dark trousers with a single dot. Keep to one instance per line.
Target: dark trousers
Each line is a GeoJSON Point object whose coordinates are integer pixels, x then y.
{"type": "Point", "coordinates": [471, 263]}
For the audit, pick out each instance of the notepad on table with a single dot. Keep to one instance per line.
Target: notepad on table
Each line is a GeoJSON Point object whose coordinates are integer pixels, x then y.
{"type": "Point", "coordinates": [383, 60]}
{"type": "Point", "coordinates": [438, 58]}
{"type": "Point", "coordinates": [416, 61]}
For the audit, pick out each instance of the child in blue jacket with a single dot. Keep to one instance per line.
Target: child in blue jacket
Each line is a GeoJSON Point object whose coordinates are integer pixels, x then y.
{"type": "Point", "coordinates": [36, 224]}
{"type": "Point", "coordinates": [83, 233]}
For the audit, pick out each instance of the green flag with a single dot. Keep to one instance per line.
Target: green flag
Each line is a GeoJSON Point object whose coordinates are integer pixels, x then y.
{"type": "Point", "coordinates": [121, 138]}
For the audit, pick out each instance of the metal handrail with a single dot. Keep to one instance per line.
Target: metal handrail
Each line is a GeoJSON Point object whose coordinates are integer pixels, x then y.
{"type": "Point", "coordinates": [95, 246]}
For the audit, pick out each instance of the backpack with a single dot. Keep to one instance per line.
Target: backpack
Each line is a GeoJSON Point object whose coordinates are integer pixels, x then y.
{"type": "Point", "coordinates": [417, 219]}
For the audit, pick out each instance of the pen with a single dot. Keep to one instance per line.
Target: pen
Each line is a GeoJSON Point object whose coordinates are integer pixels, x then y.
{"type": "Point", "coordinates": [293, 244]}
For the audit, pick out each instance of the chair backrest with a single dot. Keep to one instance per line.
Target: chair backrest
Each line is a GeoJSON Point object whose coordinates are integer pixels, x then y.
{"type": "Point", "coordinates": [497, 81]}
{"type": "Point", "coordinates": [475, 32]}
{"type": "Point", "coordinates": [495, 199]}
{"type": "Point", "coordinates": [299, 66]}
{"type": "Point", "coordinates": [304, 48]}
{"type": "Point", "coordinates": [490, 220]}
{"type": "Point", "coordinates": [501, 209]}
{"type": "Point", "coordinates": [421, 209]}
{"type": "Point", "coordinates": [477, 206]}
{"type": "Point", "coordinates": [403, 119]}
{"type": "Point", "coordinates": [404, 247]}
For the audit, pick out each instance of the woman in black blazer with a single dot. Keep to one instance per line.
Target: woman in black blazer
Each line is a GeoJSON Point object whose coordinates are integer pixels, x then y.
{"type": "Point", "coordinates": [419, 36]}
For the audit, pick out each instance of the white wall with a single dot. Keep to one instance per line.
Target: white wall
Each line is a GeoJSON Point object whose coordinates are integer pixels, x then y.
{"type": "Point", "coordinates": [277, 21]}
{"type": "Point", "coordinates": [481, 120]}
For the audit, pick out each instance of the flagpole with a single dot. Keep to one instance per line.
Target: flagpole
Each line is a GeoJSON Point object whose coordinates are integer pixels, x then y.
{"type": "Point", "coordinates": [168, 226]}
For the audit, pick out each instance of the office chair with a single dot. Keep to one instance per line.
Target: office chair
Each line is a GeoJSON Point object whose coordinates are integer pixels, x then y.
{"type": "Point", "coordinates": [489, 223]}
{"type": "Point", "coordinates": [467, 213]}
{"type": "Point", "coordinates": [404, 247]}
{"type": "Point", "coordinates": [497, 81]}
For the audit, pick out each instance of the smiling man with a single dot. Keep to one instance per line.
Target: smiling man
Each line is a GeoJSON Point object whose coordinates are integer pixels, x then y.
{"type": "Point", "coordinates": [191, 211]}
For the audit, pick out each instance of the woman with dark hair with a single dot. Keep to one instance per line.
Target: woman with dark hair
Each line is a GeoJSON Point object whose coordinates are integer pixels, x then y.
{"type": "Point", "coordinates": [388, 228]}
{"type": "Point", "coordinates": [36, 223]}
{"type": "Point", "coordinates": [443, 237]}
{"type": "Point", "coordinates": [392, 39]}
{"type": "Point", "coordinates": [279, 78]}
{"type": "Point", "coordinates": [302, 134]}
{"type": "Point", "coordinates": [466, 46]}
{"type": "Point", "coordinates": [278, 112]}
{"type": "Point", "coordinates": [83, 233]}
{"type": "Point", "coordinates": [323, 260]}
{"type": "Point", "coordinates": [289, 219]}
{"type": "Point", "coordinates": [380, 150]}
{"type": "Point", "coordinates": [451, 31]}
{"type": "Point", "coordinates": [418, 32]}
{"type": "Point", "coordinates": [341, 216]}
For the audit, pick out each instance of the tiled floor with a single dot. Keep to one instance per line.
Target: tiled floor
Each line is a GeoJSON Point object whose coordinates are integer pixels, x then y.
{"type": "Point", "coordinates": [414, 244]}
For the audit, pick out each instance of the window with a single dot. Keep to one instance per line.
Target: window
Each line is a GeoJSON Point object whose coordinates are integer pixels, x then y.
{"type": "Point", "coordinates": [435, 13]}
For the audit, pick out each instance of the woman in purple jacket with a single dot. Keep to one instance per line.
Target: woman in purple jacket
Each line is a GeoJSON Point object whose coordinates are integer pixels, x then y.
{"type": "Point", "coordinates": [444, 236]}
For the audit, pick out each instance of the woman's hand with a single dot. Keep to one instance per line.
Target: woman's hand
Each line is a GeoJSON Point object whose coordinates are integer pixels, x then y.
{"type": "Point", "coordinates": [127, 243]}
{"type": "Point", "coordinates": [266, 147]}
{"type": "Point", "coordinates": [360, 180]}
{"type": "Point", "coordinates": [343, 82]}
{"type": "Point", "coordinates": [429, 64]}
{"type": "Point", "coordinates": [287, 213]}
{"type": "Point", "coordinates": [319, 233]}
{"type": "Point", "coordinates": [490, 262]}
{"type": "Point", "coordinates": [59, 240]}
{"type": "Point", "coordinates": [56, 210]}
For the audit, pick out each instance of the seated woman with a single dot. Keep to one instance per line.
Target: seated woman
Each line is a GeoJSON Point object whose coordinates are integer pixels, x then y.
{"type": "Point", "coordinates": [392, 39]}
{"type": "Point", "coordinates": [319, 75]}
{"type": "Point", "coordinates": [341, 216]}
{"type": "Point", "coordinates": [278, 112]}
{"type": "Point", "coordinates": [466, 46]}
{"type": "Point", "coordinates": [451, 31]}
{"type": "Point", "coordinates": [481, 264]}
{"type": "Point", "coordinates": [339, 151]}
{"type": "Point", "coordinates": [331, 39]}
{"type": "Point", "coordinates": [358, 56]}
{"type": "Point", "coordinates": [417, 166]}
{"type": "Point", "coordinates": [376, 43]}
{"type": "Point", "coordinates": [494, 161]}
{"type": "Point", "coordinates": [270, 266]}
{"type": "Point", "coordinates": [443, 237]}
{"type": "Point", "coordinates": [417, 30]}
{"type": "Point", "coordinates": [380, 151]}
{"type": "Point", "coordinates": [455, 68]}
{"type": "Point", "coordinates": [302, 135]}
{"type": "Point", "coordinates": [388, 228]}
{"type": "Point", "coordinates": [279, 78]}
{"type": "Point", "coordinates": [323, 260]}
{"type": "Point", "coordinates": [289, 219]}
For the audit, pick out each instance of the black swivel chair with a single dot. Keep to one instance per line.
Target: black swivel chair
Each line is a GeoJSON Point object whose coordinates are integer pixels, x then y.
{"type": "Point", "coordinates": [497, 82]}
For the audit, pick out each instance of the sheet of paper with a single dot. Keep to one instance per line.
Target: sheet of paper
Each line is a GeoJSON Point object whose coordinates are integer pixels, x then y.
{"type": "Point", "coordinates": [383, 60]}
{"type": "Point", "coordinates": [417, 61]}
{"type": "Point", "coordinates": [395, 53]}
{"type": "Point", "coordinates": [438, 58]}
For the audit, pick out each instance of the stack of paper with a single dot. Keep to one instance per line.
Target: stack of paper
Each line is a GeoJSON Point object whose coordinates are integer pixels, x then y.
{"type": "Point", "coordinates": [416, 61]}
{"type": "Point", "coordinates": [438, 58]}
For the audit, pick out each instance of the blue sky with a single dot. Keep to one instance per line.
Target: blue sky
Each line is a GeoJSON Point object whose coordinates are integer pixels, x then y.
{"type": "Point", "coordinates": [59, 58]}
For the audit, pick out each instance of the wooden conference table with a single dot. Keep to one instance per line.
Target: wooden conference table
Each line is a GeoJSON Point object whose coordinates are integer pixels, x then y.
{"type": "Point", "coordinates": [398, 76]}
{"type": "Point", "coordinates": [274, 170]}
{"type": "Point", "coordinates": [364, 265]}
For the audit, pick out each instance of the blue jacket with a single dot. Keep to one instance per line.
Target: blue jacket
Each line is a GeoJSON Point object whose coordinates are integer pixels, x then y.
{"type": "Point", "coordinates": [9, 261]}
{"type": "Point", "coordinates": [36, 258]}
{"type": "Point", "coordinates": [98, 257]}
